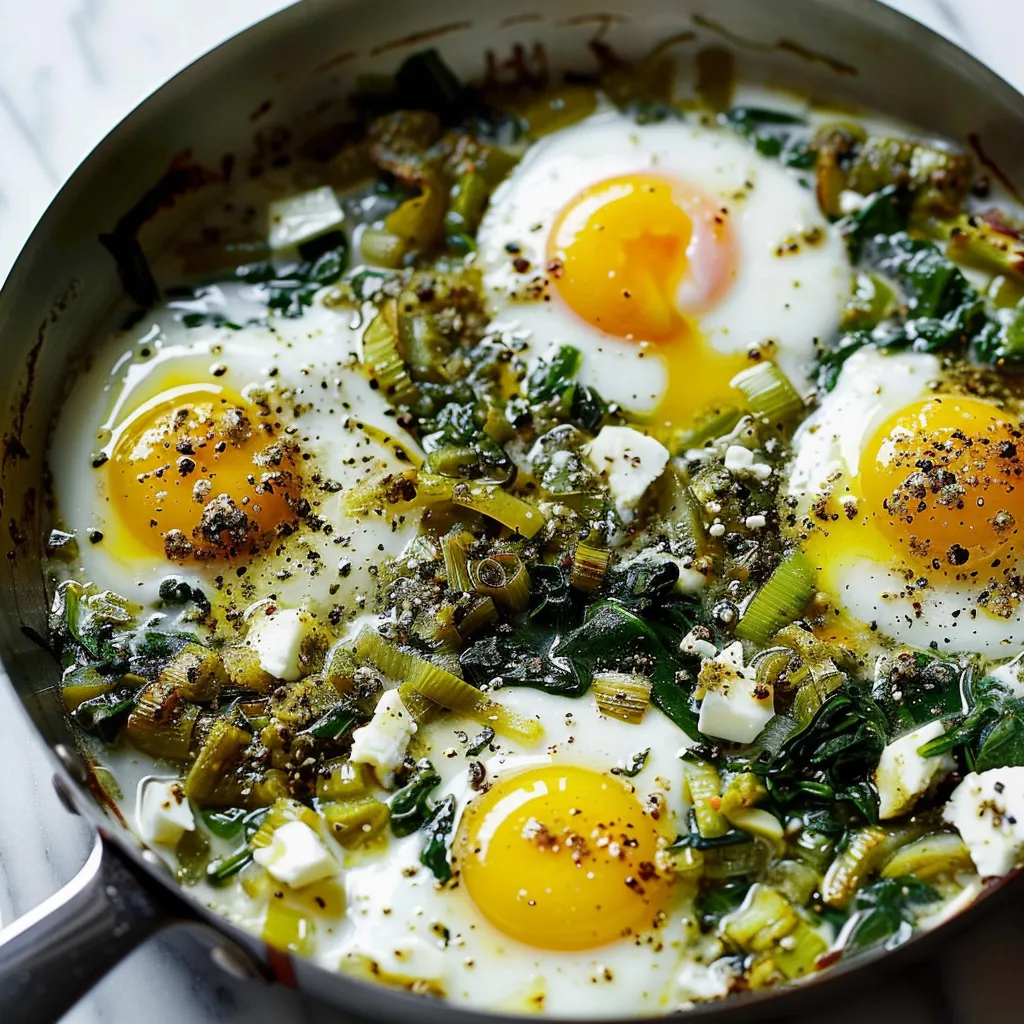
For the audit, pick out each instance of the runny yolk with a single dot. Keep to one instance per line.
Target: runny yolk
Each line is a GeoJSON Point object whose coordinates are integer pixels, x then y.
{"type": "Point", "coordinates": [561, 858]}
{"type": "Point", "coordinates": [639, 257]}
{"type": "Point", "coordinates": [943, 480]}
{"type": "Point", "coordinates": [200, 475]}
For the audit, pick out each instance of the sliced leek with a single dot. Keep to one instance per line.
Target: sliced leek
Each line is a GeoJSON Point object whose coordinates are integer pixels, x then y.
{"type": "Point", "coordinates": [444, 688]}
{"type": "Point", "coordinates": [196, 672]}
{"type": "Point", "coordinates": [343, 779]}
{"type": "Point", "coordinates": [865, 852]}
{"type": "Point", "coordinates": [383, 363]}
{"type": "Point", "coordinates": [454, 550]}
{"type": "Point", "coordinates": [161, 724]}
{"type": "Point", "coordinates": [781, 600]}
{"type": "Point", "coordinates": [944, 853]}
{"type": "Point", "coordinates": [503, 578]}
{"type": "Point", "coordinates": [217, 760]}
{"type": "Point", "coordinates": [501, 506]}
{"type": "Point", "coordinates": [242, 668]}
{"type": "Point", "coordinates": [589, 567]}
{"type": "Point", "coordinates": [704, 788]}
{"type": "Point", "coordinates": [622, 695]}
{"type": "Point", "coordinates": [768, 392]}
{"type": "Point", "coordinates": [355, 821]}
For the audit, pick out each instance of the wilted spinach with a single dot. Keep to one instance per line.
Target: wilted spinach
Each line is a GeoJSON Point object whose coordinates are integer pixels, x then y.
{"type": "Point", "coordinates": [411, 805]}
{"type": "Point", "coordinates": [438, 830]}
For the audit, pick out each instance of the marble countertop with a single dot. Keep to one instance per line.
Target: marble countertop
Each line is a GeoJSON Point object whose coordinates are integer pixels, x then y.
{"type": "Point", "coordinates": [71, 69]}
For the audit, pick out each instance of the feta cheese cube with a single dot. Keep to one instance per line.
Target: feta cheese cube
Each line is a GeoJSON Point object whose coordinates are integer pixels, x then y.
{"type": "Point", "coordinates": [301, 218]}
{"type": "Point", "coordinates": [740, 461]}
{"type": "Point", "coordinates": [382, 742]}
{"type": "Point", "coordinates": [903, 775]}
{"type": "Point", "coordinates": [987, 809]}
{"type": "Point", "coordinates": [296, 856]}
{"type": "Point", "coordinates": [697, 642]}
{"type": "Point", "coordinates": [162, 811]}
{"type": "Point", "coordinates": [628, 461]}
{"type": "Point", "coordinates": [735, 706]}
{"type": "Point", "coordinates": [278, 639]}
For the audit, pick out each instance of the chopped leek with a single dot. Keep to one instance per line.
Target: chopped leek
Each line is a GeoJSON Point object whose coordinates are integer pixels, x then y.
{"type": "Point", "coordinates": [866, 850]}
{"type": "Point", "coordinates": [242, 668]}
{"type": "Point", "coordinates": [444, 688]}
{"type": "Point", "coordinates": [779, 601]}
{"type": "Point", "coordinates": [207, 780]}
{"type": "Point", "coordinates": [703, 785]}
{"type": "Point", "coordinates": [456, 568]}
{"type": "Point", "coordinates": [480, 615]}
{"type": "Point", "coordinates": [383, 363]}
{"type": "Point", "coordinates": [742, 792]}
{"type": "Point", "coordinates": [765, 917]}
{"type": "Point", "coordinates": [161, 724]}
{"type": "Point", "coordinates": [355, 821]}
{"type": "Point", "coordinates": [622, 695]}
{"type": "Point", "coordinates": [944, 853]}
{"type": "Point", "coordinates": [503, 578]}
{"type": "Point", "coordinates": [768, 392]}
{"type": "Point", "coordinates": [976, 242]}
{"type": "Point", "coordinates": [343, 780]}
{"type": "Point", "coordinates": [589, 567]}
{"type": "Point", "coordinates": [421, 708]}
{"type": "Point", "coordinates": [288, 927]}
{"type": "Point", "coordinates": [196, 672]}
{"type": "Point", "coordinates": [382, 248]}
{"type": "Point", "coordinates": [491, 501]}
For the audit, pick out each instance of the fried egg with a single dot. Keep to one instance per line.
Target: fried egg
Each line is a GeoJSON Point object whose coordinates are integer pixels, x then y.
{"type": "Point", "coordinates": [910, 499]}
{"type": "Point", "coordinates": [225, 456]}
{"type": "Point", "coordinates": [560, 896]}
{"type": "Point", "coordinates": [670, 254]}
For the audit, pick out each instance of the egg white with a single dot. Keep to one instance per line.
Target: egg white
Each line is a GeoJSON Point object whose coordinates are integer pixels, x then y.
{"type": "Point", "coordinates": [827, 453]}
{"type": "Point", "coordinates": [398, 918]}
{"type": "Point", "coordinates": [309, 365]}
{"type": "Point", "coordinates": [789, 300]}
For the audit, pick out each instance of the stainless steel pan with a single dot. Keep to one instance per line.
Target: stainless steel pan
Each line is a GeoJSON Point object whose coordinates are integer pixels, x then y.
{"type": "Point", "coordinates": [272, 90]}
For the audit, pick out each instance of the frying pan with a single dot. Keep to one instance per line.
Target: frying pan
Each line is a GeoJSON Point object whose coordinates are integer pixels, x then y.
{"type": "Point", "coordinates": [279, 89]}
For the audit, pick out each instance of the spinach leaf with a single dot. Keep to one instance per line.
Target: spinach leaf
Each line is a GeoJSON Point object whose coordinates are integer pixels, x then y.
{"type": "Point", "coordinates": [884, 213]}
{"type": "Point", "coordinates": [915, 687]}
{"type": "Point", "coordinates": [832, 360]}
{"type": "Point", "coordinates": [774, 133]}
{"type": "Point", "coordinates": [458, 446]}
{"type": "Point", "coordinates": [885, 910]}
{"type": "Point", "coordinates": [642, 584]}
{"type": "Point", "coordinates": [551, 380]}
{"type": "Point", "coordinates": [438, 830]}
{"type": "Point", "coordinates": [522, 655]}
{"type": "Point", "coordinates": [634, 764]}
{"type": "Point", "coordinates": [1001, 341]}
{"type": "Point", "coordinates": [1003, 745]}
{"type": "Point", "coordinates": [410, 806]}
{"type": "Point", "coordinates": [225, 824]}
{"type": "Point", "coordinates": [93, 619]}
{"type": "Point", "coordinates": [337, 722]}
{"type": "Point", "coordinates": [833, 758]}
{"type": "Point", "coordinates": [105, 715]}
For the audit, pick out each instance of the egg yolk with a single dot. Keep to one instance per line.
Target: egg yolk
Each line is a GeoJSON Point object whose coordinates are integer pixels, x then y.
{"type": "Point", "coordinates": [199, 474]}
{"type": "Point", "coordinates": [943, 481]}
{"type": "Point", "coordinates": [639, 257]}
{"type": "Point", "coordinates": [561, 858]}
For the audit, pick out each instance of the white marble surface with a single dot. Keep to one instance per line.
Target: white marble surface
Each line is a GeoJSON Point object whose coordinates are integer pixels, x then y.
{"type": "Point", "coordinates": [70, 70]}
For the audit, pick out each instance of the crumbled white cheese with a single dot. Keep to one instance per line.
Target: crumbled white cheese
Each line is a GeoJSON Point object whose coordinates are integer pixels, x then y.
{"type": "Point", "coordinates": [301, 218]}
{"type": "Point", "coordinates": [382, 742]}
{"type": "Point", "coordinates": [735, 706]}
{"type": "Point", "coordinates": [903, 775]}
{"type": "Point", "coordinates": [755, 522]}
{"type": "Point", "coordinates": [690, 581]}
{"type": "Point", "coordinates": [278, 639]}
{"type": "Point", "coordinates": [1008, 675]}
{"type": "Point", "coordinates": [987, 809]}
{"type": "Point", "coordinates": [702, 983]}
{"type": "Point", "coordinates": [717, 530]}
{"type": "Point", "coordinates": [695, 642]}
{"type": "Point", "coordinates": [628, 461]}
{"type": "Point", "coordinates": [850, 201]}
{"type": "Point", "coordinates": [740, 461]}
{"type": "Point", "coordinates": [162, 811]}
{"type": "Point", "coordinates": [296, 856]}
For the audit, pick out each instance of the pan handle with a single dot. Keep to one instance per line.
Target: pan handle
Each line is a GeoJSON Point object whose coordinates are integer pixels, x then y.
{"type": "Point", "coordinates": [54, 954]}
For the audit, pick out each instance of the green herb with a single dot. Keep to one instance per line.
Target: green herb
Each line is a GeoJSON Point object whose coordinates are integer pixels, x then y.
{"type": "Point", "coordinates": [480, 742]}
{"type": "Point", "coordinates": [886, 910]}
{"type": "Point", "coordinates": [774, 133]}
{"type": "Point", "coordinates": [551, 380]}
{"type": "Point", "coordinates": [92, 619]}
{"type": "Point", "coordinates": [634, 764]}
{"type": "Point", "coordinates": [915, 687]}
{"type": "Point", "coordinates": [884, 213]}
{"type": "Point", "coordinates": [223, 868]}
{"type": "Point", "coordinates": [438, 832]}
{"type": "Point", "coordinates": [411, 806]}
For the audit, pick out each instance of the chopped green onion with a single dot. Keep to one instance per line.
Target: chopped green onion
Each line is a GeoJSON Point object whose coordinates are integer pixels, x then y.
{"type": "Point", "coordinates": [622, 695]}
{"type": "Point", "coordinates": [589, 567]}
{"type": "Point", "coordinates": [768, 392]}
{"type": "Point", "coordinates": [503, 578]}
{"type": "Point", "coordinates": [444, 688]}
{"type": "Point", "coordinates": [781, 600]}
